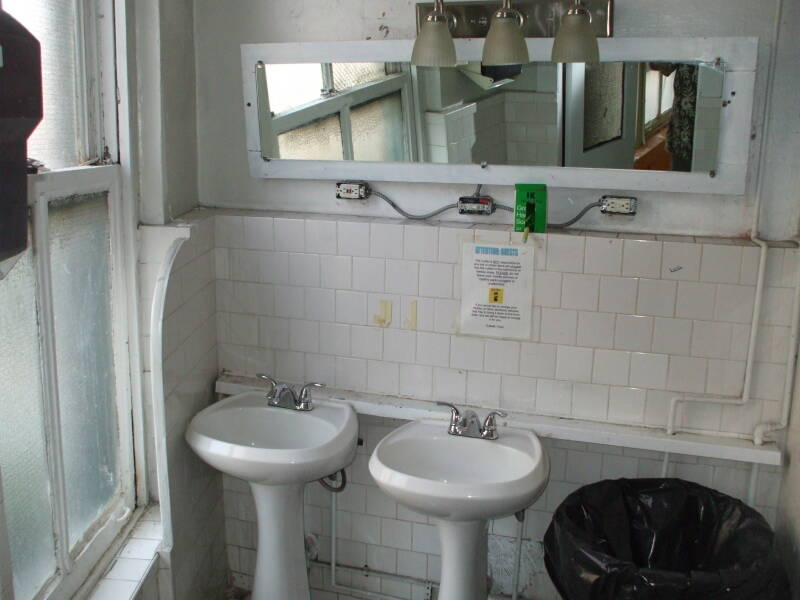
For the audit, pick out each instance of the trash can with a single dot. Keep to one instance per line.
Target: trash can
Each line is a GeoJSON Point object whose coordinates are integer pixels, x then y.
{"type": "Point", "coordinates": [664, 539]}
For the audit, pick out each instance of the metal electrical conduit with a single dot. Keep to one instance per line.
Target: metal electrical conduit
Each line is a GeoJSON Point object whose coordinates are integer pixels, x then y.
{"type": "Point", "coordinates": [412, 580]}
{"type": "Point", "coordinates": [791, 360]}
{"type": "Point", "coordinates": [497, 205]}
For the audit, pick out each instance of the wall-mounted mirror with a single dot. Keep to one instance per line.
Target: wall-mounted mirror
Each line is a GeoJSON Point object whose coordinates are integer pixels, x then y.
{"type": "Point", "coordinates": [616, 115]}
{"type": "Point", "coordinates": [660, 114]}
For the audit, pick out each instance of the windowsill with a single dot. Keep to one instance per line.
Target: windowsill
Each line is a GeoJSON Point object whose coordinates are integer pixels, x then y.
{"type": "Point", "coordinates": [135, 561]}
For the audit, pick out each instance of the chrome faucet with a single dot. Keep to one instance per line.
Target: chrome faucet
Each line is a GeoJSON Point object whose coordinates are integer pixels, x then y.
{"type": "Point", "coordinates": [467, 424]}
{"type": "Point", "coordinates": [282, 395]}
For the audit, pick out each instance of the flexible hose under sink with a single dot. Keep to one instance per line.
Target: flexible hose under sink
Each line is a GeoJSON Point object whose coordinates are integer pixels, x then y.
{"type": "Point", "coordinates": [334, 477]}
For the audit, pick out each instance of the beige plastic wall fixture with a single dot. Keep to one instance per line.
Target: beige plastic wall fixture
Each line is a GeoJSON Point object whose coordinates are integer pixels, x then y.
{"type": "Point", "coordinates": [575, 41]}
{"type": "Point", "coordinates": [434, 45]}
{"type": "Point", "coordinates": [505, 43]}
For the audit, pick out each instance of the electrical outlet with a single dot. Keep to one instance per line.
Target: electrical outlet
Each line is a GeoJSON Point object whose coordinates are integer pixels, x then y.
{"type": "Point", "coordinates": [475, 205]}
{"type": "Point", "coordinates": [352, 190]}
{"type": "Point", "coordinates": [618, 205]}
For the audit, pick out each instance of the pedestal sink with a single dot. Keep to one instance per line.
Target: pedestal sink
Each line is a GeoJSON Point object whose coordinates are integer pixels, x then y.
{"type": "Point", "coordinates": [277, 451]}
{"type": "Point", "coordinates": [462, 483]}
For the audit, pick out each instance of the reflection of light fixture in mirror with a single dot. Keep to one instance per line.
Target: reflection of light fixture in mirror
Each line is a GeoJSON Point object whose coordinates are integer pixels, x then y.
{"type": "Point", "coordinates": [505, 44]}
{"type": "Point", "coordinates": [575, 41]}
{"type": "Point", "coordinates": [434, 45]}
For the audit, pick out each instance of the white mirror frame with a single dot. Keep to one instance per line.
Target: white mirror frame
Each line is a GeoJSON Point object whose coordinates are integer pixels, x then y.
{"type": "Point", "coordinates": [738, 55]}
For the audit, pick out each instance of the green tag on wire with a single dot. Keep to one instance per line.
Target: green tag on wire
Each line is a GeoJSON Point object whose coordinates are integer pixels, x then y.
{"type": "Point", "coordinates": [530, 208]}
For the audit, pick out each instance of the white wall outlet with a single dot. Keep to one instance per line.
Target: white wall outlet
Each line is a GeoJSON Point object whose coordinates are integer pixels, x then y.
{"type": "Point", "coordinates": [618, 205]}
{"type": "Point", "coordinates": [352, 190]}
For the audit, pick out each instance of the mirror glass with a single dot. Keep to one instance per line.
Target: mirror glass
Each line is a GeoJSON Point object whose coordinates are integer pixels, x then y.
{"type": "Point", "coordinates": [619, 115]}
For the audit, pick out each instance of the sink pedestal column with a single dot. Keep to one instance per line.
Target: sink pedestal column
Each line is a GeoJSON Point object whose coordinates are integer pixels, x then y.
{"type": "Point", "coordinates": [281, 564]}
{"type": "Point", "coordinates": [464, 560]}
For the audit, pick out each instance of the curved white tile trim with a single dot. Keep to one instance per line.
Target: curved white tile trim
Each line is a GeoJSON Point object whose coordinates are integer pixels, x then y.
{"type": "Point", "coordinates": [160, 245]}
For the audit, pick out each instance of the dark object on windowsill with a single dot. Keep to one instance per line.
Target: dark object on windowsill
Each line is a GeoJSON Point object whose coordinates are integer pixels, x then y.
{"type": "Point", "coordinates": [20, 113]}
{"type": "Point", "coordinates": [643, 539]}
{"type": "Point", "coordinates": [35, 167]}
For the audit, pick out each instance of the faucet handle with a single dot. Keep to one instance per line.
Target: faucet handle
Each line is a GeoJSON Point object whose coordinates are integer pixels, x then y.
{"type": "Point", "coordinates": [455, 416]}
{"type": "Point", "coordinates": [304, 399]}
{"type": "Point", "coordinates": [305, 388]}
{"type": "Point", "coordinates": [266, 377]}
{"type": "Point", "coordinates": [275, 384]}
{"type": "Point", "coordinates": [489, 429]}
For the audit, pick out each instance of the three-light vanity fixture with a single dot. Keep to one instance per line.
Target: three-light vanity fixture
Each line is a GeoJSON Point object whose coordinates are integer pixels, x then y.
{"type": "Point", "coordinates": [505, 45]}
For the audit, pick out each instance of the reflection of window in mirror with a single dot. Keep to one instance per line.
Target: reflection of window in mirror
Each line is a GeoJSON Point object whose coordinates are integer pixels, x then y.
{"type": "Point", "coordinates": [338, 111]}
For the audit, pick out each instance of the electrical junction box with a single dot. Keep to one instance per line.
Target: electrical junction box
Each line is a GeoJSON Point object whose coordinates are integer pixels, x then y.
{"type": "Point", "coordinates": [530, 207]}
{"type": "Point", "coordinates": [352, 190]}
{"type": "Point", "coordinates": [475, 205]}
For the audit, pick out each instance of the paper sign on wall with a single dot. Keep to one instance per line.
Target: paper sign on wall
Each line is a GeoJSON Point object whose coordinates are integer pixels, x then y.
{"type": "Point", "coordinates": [497, 290]}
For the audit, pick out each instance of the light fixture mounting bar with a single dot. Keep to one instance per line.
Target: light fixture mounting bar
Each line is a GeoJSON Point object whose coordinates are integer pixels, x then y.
{"type": "Point", "coordinates": [542, 17]}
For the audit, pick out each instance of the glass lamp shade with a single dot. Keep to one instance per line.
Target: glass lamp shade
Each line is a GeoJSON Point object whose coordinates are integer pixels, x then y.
{"type": "Point", "coordinates": [434, 46]}
{"type": "Point", "coordinates": [505, 44]}
{"type": "Point", "coordinates": [575, 41]}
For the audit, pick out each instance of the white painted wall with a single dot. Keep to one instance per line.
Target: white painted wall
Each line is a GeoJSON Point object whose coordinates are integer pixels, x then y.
{"type": "Point", "coordinates": [6, 583]}
{"type": "Point", "coordinates": [167, 116]}
{"type": "Point", "coordinates": [220, 27]}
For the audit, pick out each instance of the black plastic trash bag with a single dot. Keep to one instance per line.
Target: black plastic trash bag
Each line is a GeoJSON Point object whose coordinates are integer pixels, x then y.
{"type": "Point", "coordinates": [661, 539]}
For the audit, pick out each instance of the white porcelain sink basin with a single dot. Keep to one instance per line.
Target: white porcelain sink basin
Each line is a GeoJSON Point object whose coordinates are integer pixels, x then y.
{"type": "Point", "coordinates": [462, 483]}
{"type": "Point", "coordinates": [460, 478]}
{"type": "Point", "coordinates": [243, 437]}
{"type": "Point", "coordinates": [278, 451]}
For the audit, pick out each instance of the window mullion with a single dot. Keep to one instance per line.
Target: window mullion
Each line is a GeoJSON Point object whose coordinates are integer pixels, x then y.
{"type": "Point", "coordinates": [87, 81]}
{"type": "Point", "coordinates": [50, 378]}
{"type": "Point", "coordinates": [108, 133]}
{"type": "Point", "coordinates": [327, 79]}
{"type": "Point", "coordinates": [347, 133]}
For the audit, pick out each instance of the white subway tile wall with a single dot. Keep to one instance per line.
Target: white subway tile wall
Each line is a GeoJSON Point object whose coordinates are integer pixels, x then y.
{"type": "Point", "coordinates": [621, 325]}
{"type": "Point", "coordinates": [376, 532]}
{"type": "Point", "coordinates": [654, 316]}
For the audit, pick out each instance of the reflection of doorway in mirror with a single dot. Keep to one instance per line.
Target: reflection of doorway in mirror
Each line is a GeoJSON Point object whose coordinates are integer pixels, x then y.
{"type": "Point", "coordinates": [682, 105]}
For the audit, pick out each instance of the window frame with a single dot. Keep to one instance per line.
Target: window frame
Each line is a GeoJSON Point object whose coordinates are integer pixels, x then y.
{"type": "Point", "coordinates": [662, 117]}
{"type": "Point", "coordinates": [102, 140]}
{"type": "Point", "coordinates": [337, 103]}
{"type": "Point", "coordinates": [97, 135]}
{"type": "Point", "coordinates": [73, 568]}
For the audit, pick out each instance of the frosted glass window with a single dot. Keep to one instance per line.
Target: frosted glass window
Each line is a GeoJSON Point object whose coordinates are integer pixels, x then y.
{"type": "Point", "coordinates": [53, 22]}
{"type": "Point", "coordinates": [80, 272]}
{"type": "Point", "coordinates": [378, 130]}
{"type": "Point", "coordinates": [319, 140]}
{"type": "Point", "coordinates": [23, 457]}
{"type": "Point", "coordinates": [347, 75]}
{"type": "Point", "coordinates": [292, 85]}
